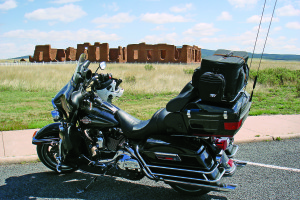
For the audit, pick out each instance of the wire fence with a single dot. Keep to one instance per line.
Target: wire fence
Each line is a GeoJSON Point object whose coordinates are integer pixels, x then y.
{"type": "Point", "coordinates": [36, 63]}
{"type": "Point", "coordinates": [75, 62]}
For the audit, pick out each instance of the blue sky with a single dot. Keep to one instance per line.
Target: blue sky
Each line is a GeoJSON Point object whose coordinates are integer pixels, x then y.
{"type": "Point", "coordinates": [226, 24]}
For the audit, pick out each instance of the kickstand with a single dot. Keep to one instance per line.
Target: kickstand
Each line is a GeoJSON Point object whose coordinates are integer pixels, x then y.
{"type": "Point", "coordinates": [85, 189]}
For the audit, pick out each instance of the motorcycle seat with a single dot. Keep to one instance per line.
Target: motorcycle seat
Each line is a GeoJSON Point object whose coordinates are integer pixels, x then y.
{"type": "Point", "coordinates": [186, 95]}
{"type": "Point", "coordinates": [140, 129]}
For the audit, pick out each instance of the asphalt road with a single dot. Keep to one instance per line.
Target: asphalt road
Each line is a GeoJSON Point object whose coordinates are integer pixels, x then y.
{"type": "Point", "coordinates": [274, 173]}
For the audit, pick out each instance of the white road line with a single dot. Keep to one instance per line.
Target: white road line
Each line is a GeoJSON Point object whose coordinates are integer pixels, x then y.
{"type": "Point", "coordinates": [273, 166]}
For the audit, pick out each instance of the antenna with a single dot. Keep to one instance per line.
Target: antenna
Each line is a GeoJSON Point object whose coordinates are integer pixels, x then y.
{"type": "Point", "coordinates": [255, 79]}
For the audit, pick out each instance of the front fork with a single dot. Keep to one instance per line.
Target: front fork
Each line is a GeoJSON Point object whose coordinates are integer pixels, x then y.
{"type": "Point", "coordinates": [59, 158]}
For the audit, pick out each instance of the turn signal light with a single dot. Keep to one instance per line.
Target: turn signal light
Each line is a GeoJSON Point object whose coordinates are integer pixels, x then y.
{"type": "Point", "coordinates": [34, 134]}
{"type": "Point", "coordinates": [232, 125]}
{"type": "Point", "coordinates": [221, 143]}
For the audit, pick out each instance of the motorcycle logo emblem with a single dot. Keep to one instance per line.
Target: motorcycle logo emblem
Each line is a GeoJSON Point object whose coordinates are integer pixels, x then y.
{"type": "Point", "coordinates": [86, 120]}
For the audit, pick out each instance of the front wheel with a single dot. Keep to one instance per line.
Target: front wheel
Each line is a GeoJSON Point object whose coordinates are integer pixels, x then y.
{"type": "Point", "coordinates": [47, 153]}
{"type": "Point", "coordinates": [189, 190]}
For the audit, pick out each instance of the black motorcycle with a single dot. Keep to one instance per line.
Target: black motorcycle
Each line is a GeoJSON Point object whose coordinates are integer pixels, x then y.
{"type": "Point", "coordinates": [188, 144]}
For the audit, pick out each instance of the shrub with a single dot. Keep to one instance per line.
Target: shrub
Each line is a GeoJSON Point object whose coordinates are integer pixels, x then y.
{"type": "Point", "coordinates": [149, 67]}
{"type": "Point", "coordinates": [188, 71]}
{"type": "Point", "coordinates": [130, 79]}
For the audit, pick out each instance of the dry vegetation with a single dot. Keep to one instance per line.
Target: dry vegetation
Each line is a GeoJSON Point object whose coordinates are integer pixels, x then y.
{"type": "Point", "coordinates": [26, 91]}
{"type": "Point", "coordinates": [136, 79]}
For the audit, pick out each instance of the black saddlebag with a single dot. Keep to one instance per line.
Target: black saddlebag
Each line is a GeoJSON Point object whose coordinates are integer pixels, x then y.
{"type": "Point", "coordinates": [216, 119]}
{"type": "Point", "coordinates": [179, 158]}
{"type": "Point", "coordinates": [232, 65]}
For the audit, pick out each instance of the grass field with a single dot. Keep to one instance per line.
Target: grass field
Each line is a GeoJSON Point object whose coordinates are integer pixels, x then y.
{"type": "Point", "coordinates": [26, 91]}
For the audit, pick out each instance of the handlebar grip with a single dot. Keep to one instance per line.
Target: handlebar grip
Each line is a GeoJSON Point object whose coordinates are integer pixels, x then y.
{"type": "Point", "coordinates": [118, 82]}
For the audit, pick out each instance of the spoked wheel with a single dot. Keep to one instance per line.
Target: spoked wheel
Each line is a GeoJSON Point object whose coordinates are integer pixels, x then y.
{"type": "Point", "coordinates": [47, 153]}
{"type": "Point", "coordinates": [189, 190]}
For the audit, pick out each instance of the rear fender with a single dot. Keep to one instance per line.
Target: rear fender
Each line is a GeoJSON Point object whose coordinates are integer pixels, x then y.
{"type": "Point", "coordinates": [43, 135]}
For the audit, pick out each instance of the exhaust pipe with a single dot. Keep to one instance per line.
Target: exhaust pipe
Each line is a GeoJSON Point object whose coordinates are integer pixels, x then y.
{"type": "Point", "coordinates": [219, 188]}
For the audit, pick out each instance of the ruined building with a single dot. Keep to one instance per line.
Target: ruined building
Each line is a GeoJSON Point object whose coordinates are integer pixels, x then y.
{"type": "Point", "coordinates": [162, 53]}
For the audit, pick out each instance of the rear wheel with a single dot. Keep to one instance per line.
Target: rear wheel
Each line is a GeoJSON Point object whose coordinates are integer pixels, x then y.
{"type": "Point", "coordinates": [47, 153]}
{"type": "Point", "coordinates": [189, 190]}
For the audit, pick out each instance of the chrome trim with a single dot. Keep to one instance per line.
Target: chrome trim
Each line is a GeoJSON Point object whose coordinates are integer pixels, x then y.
{"type": "Point", "coordinates": [231, 170]}
{"type": "Point", "coordinates": [219, 187]}
{"type": "Point", "coordinates": [195, 179]}
{"type": "Point", "coordinates": [188, 113]}
{"type": "Point", "coordinates": [146, 170]}
{"type": "Point", "coordinates": [45, 141]}
{"type": "Point", "coordinates": [186, 170]}
{"type": "Point", "coordinates": [175, 157]}
{"type": "Point", "coordinates": [225, 115]}
{"type": "Point", "coordinates": [240, 163]}
{"type": "Point", "coordinates": [235, 149]}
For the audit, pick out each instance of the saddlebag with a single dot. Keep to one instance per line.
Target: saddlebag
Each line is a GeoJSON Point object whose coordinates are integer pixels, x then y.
{"type": "Point", "coordinates": [221, 119]}
{"type": "Point", "coordinates": [180, 158]}
{"type": "Point", "coordinates": [230, 64]}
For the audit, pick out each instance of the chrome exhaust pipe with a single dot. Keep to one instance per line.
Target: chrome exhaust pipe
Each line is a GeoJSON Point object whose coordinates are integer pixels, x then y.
{"type": "Point", "coordinates": [240, 163]}
{"type": "Point", "coordinates": [219, 188]}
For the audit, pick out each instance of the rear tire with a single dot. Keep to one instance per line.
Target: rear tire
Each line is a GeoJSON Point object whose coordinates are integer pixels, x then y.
{"type": "Point", "coordinates": [189, 190]}
{"type": "Point", "coordinates": [47, 153]}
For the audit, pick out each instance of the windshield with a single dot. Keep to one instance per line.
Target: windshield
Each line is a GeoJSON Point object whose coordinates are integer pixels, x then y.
{"type": "Point", "coordinates": [79, 68]}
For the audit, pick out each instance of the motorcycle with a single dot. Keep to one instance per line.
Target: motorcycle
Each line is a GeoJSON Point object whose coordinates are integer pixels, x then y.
{"type": "Point", "coordinates": [178, 145]}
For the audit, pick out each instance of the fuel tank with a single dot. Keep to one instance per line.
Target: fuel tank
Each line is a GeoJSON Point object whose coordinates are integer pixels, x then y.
{"type": "Point", "coordinates": [95, 118]}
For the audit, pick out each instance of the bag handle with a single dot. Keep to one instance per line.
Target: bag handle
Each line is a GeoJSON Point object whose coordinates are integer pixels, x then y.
{"type": "Point", "coordinates": [230, 56]}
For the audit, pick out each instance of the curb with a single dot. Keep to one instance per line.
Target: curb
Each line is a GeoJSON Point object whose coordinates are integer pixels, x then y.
{"type": "Point", "coordinates": [18, 159]}
{"type": "Point", "coordinates": [34, 158]}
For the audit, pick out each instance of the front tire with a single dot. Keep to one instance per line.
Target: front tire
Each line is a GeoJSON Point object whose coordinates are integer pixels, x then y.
{"type": "Point", "coordinates": [47, 153]}
{"type": "Point", "coordinates": [189, 190]}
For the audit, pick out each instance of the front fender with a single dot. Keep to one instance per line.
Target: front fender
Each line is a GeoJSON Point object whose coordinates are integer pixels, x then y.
{"type": "Point", "coordinates": [43, 135]}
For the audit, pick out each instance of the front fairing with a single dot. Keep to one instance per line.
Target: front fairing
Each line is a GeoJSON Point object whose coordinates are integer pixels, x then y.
{"type": "Point", "coordinates": [62, 98]}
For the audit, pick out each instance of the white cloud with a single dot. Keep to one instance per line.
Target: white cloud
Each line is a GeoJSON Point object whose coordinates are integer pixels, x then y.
{"type": "Point", "coordinates": [8, 4]}
{"type": "Point", "coordinates": [293, 25]}
{"type": "Point", "coordinates": [66, 13]}
{"type": "Point", "coordinates": [162, 18]}
{"type": "Point", "coordinates": [181, 8]}
{"type": "Point", "coordinates": [288, 10]}
{"type": "Point", "coordinates": [202, 29]}
{"type": "Point", "coordinates": [113, 6]}
{"type": "Point", "coordinates": [80, 35]}
{"type": "Point", "coordinates": [64, 1]}
{"type": "Point", "coordinates": [278, 28]}
{"type": "Point", "coordinates": [159, 28]}
{"type": "Point", "coordinates": [171, 38]}
{"type": "Point", "coordinates": [242, 3]}
{"type": "Point", "coordinates": [256, 19]}
{"type": "Point", "coordinates": [225, 16]}
{"type": "Point", "coordinates": [116, 19]}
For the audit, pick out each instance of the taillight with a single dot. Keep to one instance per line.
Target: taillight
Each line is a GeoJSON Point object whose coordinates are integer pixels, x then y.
{"type": "Point", "coordinates": [232, 125]}
{"type": "Point", "coordinates": [221, 143]}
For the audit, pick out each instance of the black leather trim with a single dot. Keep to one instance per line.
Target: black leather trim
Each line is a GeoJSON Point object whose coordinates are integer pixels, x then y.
{"type": "Point", "coordinates": [184, 97]}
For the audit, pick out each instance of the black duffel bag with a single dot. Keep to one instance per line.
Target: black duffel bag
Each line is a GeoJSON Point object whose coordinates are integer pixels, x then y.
{"type": "Point", "coordinates": [232, 65]}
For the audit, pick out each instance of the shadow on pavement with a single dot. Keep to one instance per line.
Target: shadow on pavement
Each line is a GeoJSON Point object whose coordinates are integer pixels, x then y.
{"type": "Point", "coordinates": [64, 186]}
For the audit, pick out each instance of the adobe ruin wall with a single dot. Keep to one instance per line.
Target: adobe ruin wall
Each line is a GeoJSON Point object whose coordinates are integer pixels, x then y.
{"type": "Point", "coordinates": [140, 53]}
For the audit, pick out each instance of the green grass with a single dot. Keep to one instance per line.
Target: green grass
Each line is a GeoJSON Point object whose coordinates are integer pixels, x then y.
{"type": "Point", "coordinates": [28, 105]}
{"type": "Point", "coordinates": [278, 92]}
{"type": "Point", "coordinates": [24, 109]}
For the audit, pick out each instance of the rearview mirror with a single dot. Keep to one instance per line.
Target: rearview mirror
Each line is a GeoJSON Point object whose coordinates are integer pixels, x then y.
{"type": "Point", "coordinates": [102, 65]}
